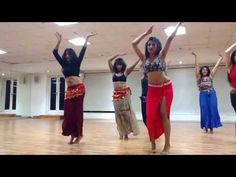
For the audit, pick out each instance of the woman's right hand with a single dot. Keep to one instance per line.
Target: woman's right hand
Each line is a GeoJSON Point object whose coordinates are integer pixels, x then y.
{"type": "Point", "coordinates": [149, 31]}
{"type": "Point", "coordinates": [59, 37]}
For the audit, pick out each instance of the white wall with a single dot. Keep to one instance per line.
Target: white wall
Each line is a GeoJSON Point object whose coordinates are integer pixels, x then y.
{"type": "Point", "coordinates": [38, 102]}
{"type": "Point", "coordinates": [186, 95]}
{"type": "Point", "coordinates": [23, 95]}
{"type": "Point", "coordinates": [32, 97]}
{"type": "Point", "coordinates": [98, 92]}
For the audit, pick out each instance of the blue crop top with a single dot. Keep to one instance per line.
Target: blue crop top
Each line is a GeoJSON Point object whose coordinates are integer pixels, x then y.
{"type": "Point", "coordinates": [156, 65]}
{"type": "Point", "coordinates": [121, 78]}
{"type": "Point", "coordinates": [70, 68]}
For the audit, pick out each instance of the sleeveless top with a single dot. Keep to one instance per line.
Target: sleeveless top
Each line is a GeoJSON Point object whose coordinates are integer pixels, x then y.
{"type": "Point", "coordinates": [121, 78]}
{"type": "Point", "coordinates": [156, 65]}
{"type": "Point", "coordinates": [205, 83]}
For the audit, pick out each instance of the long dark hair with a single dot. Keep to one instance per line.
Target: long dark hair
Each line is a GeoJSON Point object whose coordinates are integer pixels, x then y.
{"type": "Point", "coordinates": [119, 61]}
{"type": "Point", "coordinates": [208, 71]}
{"type": "Point", "coordinates": [157, 42]}
{"type": "Point", "coordinates": [71, 53]}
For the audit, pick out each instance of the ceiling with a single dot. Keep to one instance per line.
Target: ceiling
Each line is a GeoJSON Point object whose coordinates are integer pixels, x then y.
{"type": "Point", "coordinates": [29, 45]}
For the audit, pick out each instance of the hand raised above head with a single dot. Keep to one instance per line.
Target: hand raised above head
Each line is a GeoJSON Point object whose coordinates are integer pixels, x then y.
{"type": "Point", "coordinates": [91, 34]}
{"type": "Point", "coordinates": [149, 31]}
{"type": "Point", "coordinates": [58, 35]}
{"type": "Point", "coordinates": [194, 54]}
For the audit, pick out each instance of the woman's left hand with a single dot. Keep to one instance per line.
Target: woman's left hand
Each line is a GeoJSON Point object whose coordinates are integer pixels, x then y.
{"type": "Point", "coordinates": [91, 34]}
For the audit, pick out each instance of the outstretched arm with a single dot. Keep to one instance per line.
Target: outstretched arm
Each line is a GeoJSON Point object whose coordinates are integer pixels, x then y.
{"type": "Point", "coordinates": [168, 42]}
{"type": "Point", "coordinates": [131, 68]}
{"type": "Point", "coordinates": [110, 59]}
{"type": "Point", "coordinates": [196, 65]}
{"type": "Point", "coordinates": [138, 40]}
{"type": "Point", "coordinates": [216, 65]}
{"type": "Point", "coordinates": [228, 52]}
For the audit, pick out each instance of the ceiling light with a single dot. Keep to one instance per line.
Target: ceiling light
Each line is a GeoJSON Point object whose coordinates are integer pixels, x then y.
{"type": "Point", "coordinates": [79, 41]}
{"type": "Point", "coordinates": [180, 62]}
{"type": "Point", "coordinates": [65, 23]}
{"type": "Point", "coordinates": [2, 51]}
{"type": "Point", "coordinates": [3, 74]}
{"type": "Point", "coordinates": [181, 30]}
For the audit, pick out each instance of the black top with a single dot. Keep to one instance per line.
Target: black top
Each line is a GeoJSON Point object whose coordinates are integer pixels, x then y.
{"type": "Point", "coordinates": [121, 78]}
{"type": "Point", "coordinates": [70, 68]}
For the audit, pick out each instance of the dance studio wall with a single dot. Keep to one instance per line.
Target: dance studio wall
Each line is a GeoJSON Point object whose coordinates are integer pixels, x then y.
{"type": "Point", "coordinates": [23, 96]}
{"type": "Point", "coordinates": [185, 106]}
{"type": "Point", "coordinates": [32, 96]}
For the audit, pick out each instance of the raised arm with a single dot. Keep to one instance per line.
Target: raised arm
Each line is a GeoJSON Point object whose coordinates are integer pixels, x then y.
{"type": "Point", "coordinates": [59, 37]}
{"type": "Point", "coordinates": [82, 52]}
{"type": "Point", "coordinates": [138, 40]}
{"type": "Point", "coordinates": [110, 59]}
{"type": "Point", "coordinates": [197, 69]}
{"type": "Point", "coordinates": [216, 65]}
{"type": "Point", "coordinates": [131, 68]}
{"type": "Point", "coordinates": [55, 51]}
{"type": "Point", "coordinates": [228, 52]}
{"type": "Point", "coordinates": [168, 42]}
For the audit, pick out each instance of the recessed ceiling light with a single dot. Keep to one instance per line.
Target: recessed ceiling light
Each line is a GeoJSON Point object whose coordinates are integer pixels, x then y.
{"type": "Point", "coordinates": [181, 30]}
{"type": "Point", "coordinates": [65, 23]}
{"type": "Point", "coordinates": [2, 51]}
{"type": "Point", "coordinates": [180, 62]}
{"type": "Point", "coordinates": [3, 74]}
{"type": "Point", "coordinates": [79, 41]}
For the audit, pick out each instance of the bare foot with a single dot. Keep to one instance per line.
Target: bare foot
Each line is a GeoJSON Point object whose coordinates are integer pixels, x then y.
{"type": "Point", "coordinates": [71, 140]}
{"type": "Point", "coordinates": [77, 140]}
{"type": "Point", "coordinates": [166, 150]}
{"type": "Point", "coordinates": [126, 137]}
{"type": "Point", "coordinates": [211, 130]}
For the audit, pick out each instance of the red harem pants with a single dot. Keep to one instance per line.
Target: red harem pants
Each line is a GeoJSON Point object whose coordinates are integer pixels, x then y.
{"type": "Point", "coordinates": [73, 111]}
{"type": "Point", "coordinates": [155, 95]}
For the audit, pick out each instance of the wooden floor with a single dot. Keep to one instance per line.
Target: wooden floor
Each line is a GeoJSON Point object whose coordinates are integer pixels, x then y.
{"type": "Point", "coordinates": [43, 136]}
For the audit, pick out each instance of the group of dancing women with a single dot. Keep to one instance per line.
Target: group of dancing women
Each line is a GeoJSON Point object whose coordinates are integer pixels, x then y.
{"type": "Point", "coordinates": [157, 90]}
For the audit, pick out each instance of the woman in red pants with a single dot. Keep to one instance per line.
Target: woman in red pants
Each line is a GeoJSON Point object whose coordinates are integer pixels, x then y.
{"type": "Point", "coordinates": [160, 91]}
